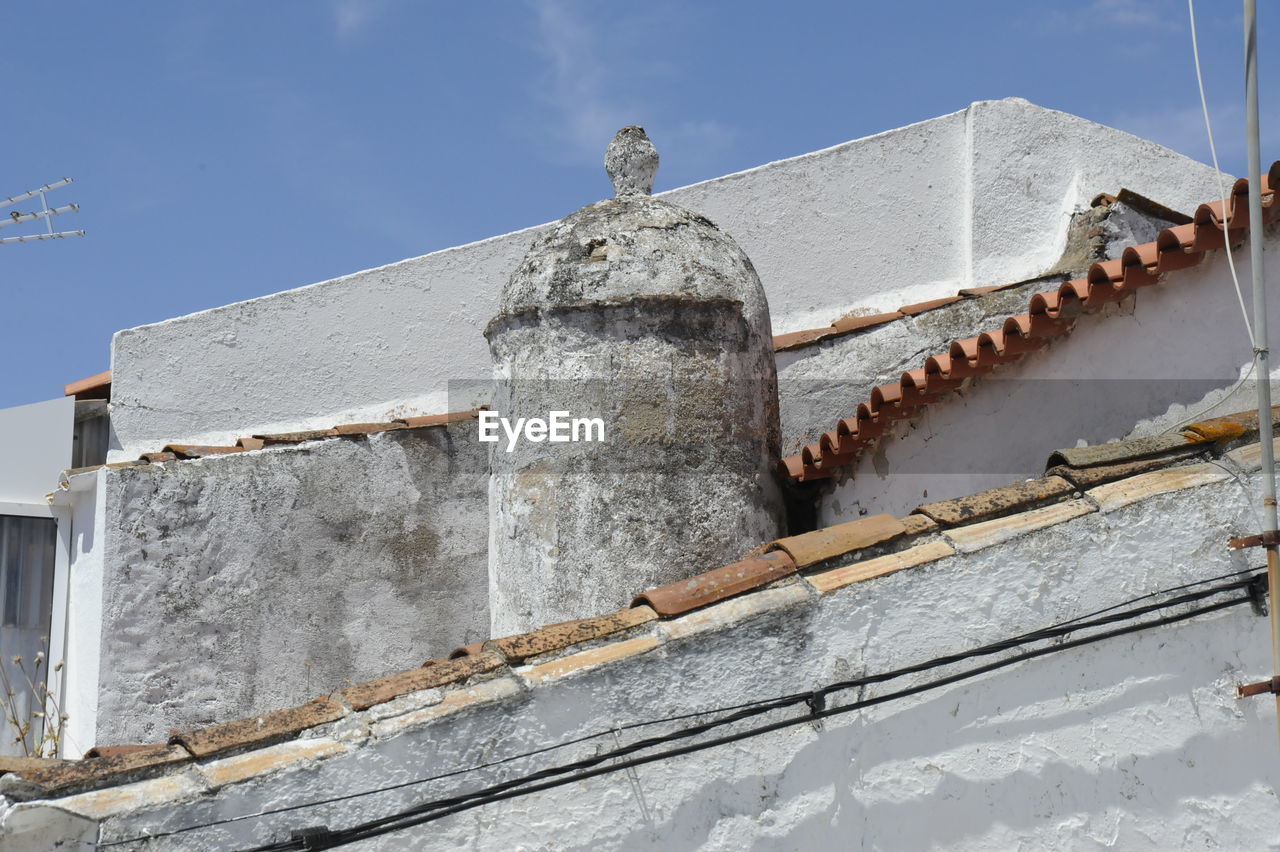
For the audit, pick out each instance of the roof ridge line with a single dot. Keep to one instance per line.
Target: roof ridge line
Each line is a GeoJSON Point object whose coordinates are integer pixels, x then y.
{"type": "Point", "coordinates": [1050, 314]}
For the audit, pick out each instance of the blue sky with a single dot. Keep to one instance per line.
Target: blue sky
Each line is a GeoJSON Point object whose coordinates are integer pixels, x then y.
{"type": "Point", "coordinates": [226, 150]}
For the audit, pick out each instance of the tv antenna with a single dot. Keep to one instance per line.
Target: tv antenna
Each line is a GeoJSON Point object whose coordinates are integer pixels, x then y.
{"type": "Point", "coordinates": [45, 212]}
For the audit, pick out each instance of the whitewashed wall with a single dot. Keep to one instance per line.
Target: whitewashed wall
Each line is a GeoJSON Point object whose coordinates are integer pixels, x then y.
{"type": "Point", "coordinates": [1136, 743]}
{"type": "Point", "coordinates": [976, 197]}
{"type": "Point", "coordinates": [83, 497]}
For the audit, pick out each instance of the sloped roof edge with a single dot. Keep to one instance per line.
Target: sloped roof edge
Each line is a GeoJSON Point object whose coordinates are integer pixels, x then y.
{"type": "Point", "coordinates": [1050, 315]}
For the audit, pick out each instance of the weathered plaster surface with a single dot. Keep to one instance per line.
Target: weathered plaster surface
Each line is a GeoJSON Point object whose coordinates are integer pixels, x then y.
{"type": "Point", "coordinates": [1135, 743]}
{"type": "Point", "coordinates": [1138, 368]}
{"type": "Point", "coordinates": [238, 584]}
{"type": "Point", "coordinates": [980, 196]}
{"type": "Point", "coordinates": [646, 316]}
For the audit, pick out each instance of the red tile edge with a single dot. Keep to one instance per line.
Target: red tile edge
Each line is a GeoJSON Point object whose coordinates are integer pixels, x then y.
{"type": "Point", "coordinates": [716, 585]}
{"type": "Point", "coordinates": [94, 387]}
{"type": "Point", "coordinates": [839, 328]}
{"type": "Point", "coordinates": [1051, 314]}
{"type": "Point", "coordinates": [932, 304]}
{"type": "Point", "coordinates": [441, 419]}
{"type": "Point", "coordinates": [348, 430]}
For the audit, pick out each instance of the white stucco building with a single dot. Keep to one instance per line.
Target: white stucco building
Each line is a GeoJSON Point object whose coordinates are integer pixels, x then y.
{"type": "Point", "coordinates": [1004, 614]}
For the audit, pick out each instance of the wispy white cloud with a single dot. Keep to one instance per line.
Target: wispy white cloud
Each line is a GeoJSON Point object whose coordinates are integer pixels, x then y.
{"type": "Point", "coordinates": [591, 96]}
{"type": "Point", "coordinates": [578, 81]}
{"type": "Point", "coordinates": [1145, 14]}
{"type": "Point", "coordinates": [353, 17]}
{"type": "Point", "coordinates": [1183, 130]}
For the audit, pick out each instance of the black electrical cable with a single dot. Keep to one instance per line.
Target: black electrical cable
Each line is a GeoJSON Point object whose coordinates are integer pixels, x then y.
{"type": "Point", "coordinates": [418, 815]}
{"type": "Point", "coordinates": [403, 784]}
{"type": "Point", "coordinates": [432, 811]}
{"type": "Point", "coordinates": [590, 766]}
{"type": "Point", "coordinates": [759, 707]}
{"type": "Point", "coordinates": [750, 709]}
{"type": "Point", "coordinates": [1157, 594]}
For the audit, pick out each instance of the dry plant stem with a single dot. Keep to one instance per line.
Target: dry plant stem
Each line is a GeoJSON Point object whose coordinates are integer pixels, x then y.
{"type": "Point", "coordinates": [45, 707]}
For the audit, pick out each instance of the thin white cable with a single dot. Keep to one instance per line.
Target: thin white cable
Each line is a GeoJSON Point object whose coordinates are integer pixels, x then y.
{"type": "Point", "coordinates": [1221, 400]}
{"type": "Point", "coordinates": [1222, 188]}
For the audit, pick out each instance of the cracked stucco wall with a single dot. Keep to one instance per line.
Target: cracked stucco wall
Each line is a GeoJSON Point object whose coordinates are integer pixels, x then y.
{"type": "Point", "coordinates": [238, 584]}
{"type": "Point", "coordinates": [1135, 743]}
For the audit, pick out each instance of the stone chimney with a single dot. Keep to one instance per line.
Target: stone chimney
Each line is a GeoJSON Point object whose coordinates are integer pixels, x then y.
{"type": "Point", "coordinates": [639, 319]}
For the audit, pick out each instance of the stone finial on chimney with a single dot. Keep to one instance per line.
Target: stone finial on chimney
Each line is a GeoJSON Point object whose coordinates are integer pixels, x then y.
{"type": "Point", "coordinates": [631, 162]}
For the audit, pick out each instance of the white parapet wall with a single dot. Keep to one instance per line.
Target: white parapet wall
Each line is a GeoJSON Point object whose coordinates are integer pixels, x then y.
{"type": "Point", "coordinates": [977, 197]}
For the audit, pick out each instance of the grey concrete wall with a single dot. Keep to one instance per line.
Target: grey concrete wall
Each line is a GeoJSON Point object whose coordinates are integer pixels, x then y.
{"type": "Point", "coordinates": [239, 584]}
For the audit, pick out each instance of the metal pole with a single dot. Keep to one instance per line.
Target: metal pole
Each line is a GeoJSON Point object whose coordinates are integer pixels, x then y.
{"type": "Point", "coordinates": [1260, 342]}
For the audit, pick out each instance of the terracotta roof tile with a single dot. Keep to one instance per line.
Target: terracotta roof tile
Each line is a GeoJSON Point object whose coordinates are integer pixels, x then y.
{"type": "Point", "coordinates": [435, 673]}
{"type": "Point", "coordinates": [349, 429]}
{"type": "Point", "coordinates": [787, 593]}
{"type": "Point", "coordinates": [997, 501]}
{"type": "Point", "coordinates": [554, 637]}
{"type": "Point", "coordinates": [1088, 477]}
{"type": "Point", "coordinates": [1050, 315]}
{"type": "Point", "coordinates": [454, 701]}
{"type": "Point", "coordinates": [844, 325]}
{"type": "Point", "coordinates": [117, 751]}
{"type": "Point", "coordinates": [919, 524]}
{"type": "Point", "coordinates": [94, 387]}
{"type": "Point", "coordinates": [849, 324]}
{"type": "Point", "coordinates": [983, 534]}
{"type": "Point", "coordinates": [1118, 451]}
{"type": "Point", "coordinates": [1221, 428]}
{"type": "Point", "coordinates": [59, 776]}
{"type": "Point", "coordinates": [441, 419]}
{"type": "Point", "coordinates": [820, 545]}
{"type": "Point", "coordinates": [1249, 458]}
{"type": "Point", "coordinates": [467, 650]}
{"type": "Point", "coordinates": [921, 307]}
{"type": "Point", "coordinates": [1116, 495]}
{"type": "Point", "coordinates": [590, 658]}
{"type": "Point", "coordinates": [1152, 208]}
{"type": "Point", "coordinates": [76, 471]}
{"type": "Point", "coordinates": [195, 451]}
{"type": "Point", "coordinates": [296, 437]}
{"type": "Point", "coordinates": [1087, 467]}
{"type": "Point", "coordinates": [971, 292]}
{"type": "Point", "coordinates": [796, 339]}
{"type": "Point", "coordinates": [260, 730]}
{"type": "Point", "coordinates": [242, 767]}
{"type": "Point", "coordinates": [829, 581]}
{"type": "Point", "coordinates": [716, 585]}
{"type": "Point", "coordinates": [18, 765]}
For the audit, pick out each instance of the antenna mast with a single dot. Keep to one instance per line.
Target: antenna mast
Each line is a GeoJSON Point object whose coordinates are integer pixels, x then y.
{"type": "Point", "coordinates": [45, 212]}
